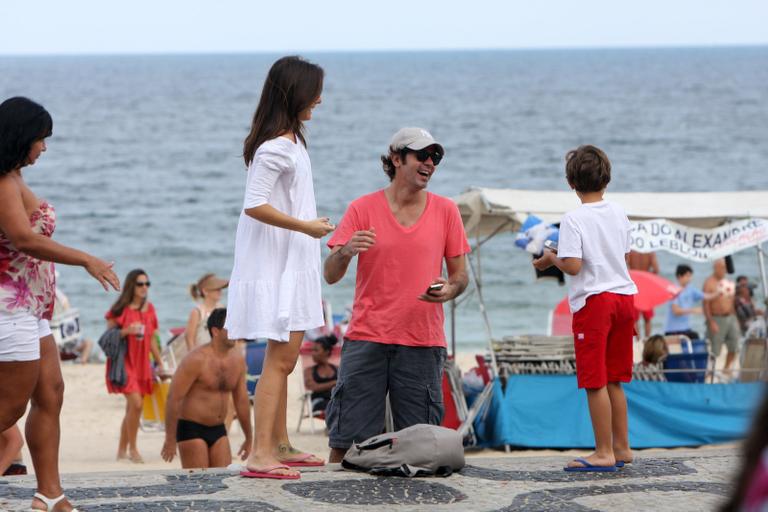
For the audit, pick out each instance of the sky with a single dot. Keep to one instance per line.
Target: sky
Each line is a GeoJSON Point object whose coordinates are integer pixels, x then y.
{"type": "Point", "coordinates": [245, 26]}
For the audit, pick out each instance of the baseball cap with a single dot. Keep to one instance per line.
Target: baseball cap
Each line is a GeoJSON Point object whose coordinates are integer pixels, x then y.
{"type": "Point", "coordinates": [212, 282]}
{"type": "Point", "coordinates": [413, 138]}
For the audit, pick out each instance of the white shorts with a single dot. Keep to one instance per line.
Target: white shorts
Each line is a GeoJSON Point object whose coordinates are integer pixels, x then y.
{"type": "Point", "coordinates": [20, 335]}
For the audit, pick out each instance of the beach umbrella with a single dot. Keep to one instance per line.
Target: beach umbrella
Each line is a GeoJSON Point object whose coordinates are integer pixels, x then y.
{"type": "Point", "coordinates": [652, 290]}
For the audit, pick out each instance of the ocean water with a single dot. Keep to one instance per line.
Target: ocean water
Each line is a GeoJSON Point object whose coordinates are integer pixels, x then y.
{"type": "Point", "coordinates": [144, 166]}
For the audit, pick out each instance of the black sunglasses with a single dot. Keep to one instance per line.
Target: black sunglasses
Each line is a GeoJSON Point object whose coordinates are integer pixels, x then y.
{"type": "Point", "coordinates": [423, 154]}
{"type": "Point", "coordinates": [143, 283]}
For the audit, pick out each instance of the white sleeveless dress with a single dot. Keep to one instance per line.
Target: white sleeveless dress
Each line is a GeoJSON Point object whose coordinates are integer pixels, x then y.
{"type": "Point", "coordinates": [275, 282]}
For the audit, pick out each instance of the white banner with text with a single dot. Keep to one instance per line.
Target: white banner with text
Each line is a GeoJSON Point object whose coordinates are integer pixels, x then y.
{"type": "Point", "coordinates": [697, 244]}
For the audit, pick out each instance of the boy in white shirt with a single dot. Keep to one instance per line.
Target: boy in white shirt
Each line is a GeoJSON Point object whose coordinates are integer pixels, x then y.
{"type": "Point", "coordinates": [592, 248]}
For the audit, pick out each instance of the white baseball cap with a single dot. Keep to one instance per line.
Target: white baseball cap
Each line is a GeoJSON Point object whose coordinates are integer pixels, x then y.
{"type": "Point", "coordinates": [413, 138]}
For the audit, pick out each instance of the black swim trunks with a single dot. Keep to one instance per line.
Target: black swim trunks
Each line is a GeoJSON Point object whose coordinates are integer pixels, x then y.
{"type": "Point", "coordinates": [187, 430]}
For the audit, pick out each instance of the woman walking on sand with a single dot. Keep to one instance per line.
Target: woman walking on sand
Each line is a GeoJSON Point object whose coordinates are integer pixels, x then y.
{"type": "Point", "coordinates": [29, 358]}
{"type": "Point", "coordinates": [137, 320]}
{"type": "Point", "coordinates": [274, 291]}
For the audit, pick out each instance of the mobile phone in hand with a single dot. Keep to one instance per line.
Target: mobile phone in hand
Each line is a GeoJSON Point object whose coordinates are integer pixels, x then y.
{"type": "Point", "coordinates": [551, 245]}
{"type": "Point", "coordinates": [435, 287]}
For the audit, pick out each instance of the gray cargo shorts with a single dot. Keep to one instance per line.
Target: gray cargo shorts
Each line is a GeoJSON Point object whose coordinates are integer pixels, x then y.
{"type": "Point", "coordinates": [413, 376]}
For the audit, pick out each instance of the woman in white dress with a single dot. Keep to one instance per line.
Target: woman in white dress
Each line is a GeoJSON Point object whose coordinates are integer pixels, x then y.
{"type": "Point", "coordinates": [274, 290]}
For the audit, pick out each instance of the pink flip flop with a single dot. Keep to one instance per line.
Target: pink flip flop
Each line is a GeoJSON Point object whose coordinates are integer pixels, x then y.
{"type": "Point", "coordinates": [267, 472]}
{"type": "Point", "coordinates": [300, 461]}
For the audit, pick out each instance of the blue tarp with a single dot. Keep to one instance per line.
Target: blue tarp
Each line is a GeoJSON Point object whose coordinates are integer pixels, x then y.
{"type": "Point", "coordinates": [548, 411]}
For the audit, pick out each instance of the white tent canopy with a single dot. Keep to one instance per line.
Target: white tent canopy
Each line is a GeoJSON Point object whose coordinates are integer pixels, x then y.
{"type": "Point", "coordinates": [486, 210]}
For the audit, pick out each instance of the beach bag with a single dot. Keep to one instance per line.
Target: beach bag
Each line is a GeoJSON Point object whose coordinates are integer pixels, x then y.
{"type": "Point", "coordinates": [419, 450]}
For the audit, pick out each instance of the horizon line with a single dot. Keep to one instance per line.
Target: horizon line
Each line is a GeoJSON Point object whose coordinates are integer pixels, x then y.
{"type": "Point", "coordinates": [169, 53]}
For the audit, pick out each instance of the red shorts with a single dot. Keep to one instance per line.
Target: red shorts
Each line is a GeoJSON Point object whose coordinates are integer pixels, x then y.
{"type": "Point", "coordinates": [602, 336]}
{"type": "Point", "coordinates": [647, 315]}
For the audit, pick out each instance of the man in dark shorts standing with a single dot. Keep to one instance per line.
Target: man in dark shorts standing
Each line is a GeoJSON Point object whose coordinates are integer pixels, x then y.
{"type": "Point", "coordinates": [199, 398]}
{"type": "Point", "coordinates": [395, 341]}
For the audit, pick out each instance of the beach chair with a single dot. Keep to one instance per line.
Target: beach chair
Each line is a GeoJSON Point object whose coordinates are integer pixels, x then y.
{"type": "Point", "coordinates": [175, 349]}
{"type": "Point", "coordinates": [254, 360]}
{"type": "Point", "coordinates": [305, 356]}
{"type": "Point", "coordinates": [153, 411]}
{"type": "Point", "coordinates": [754, 355]}
{"type": "Point", "coordinates": [683, 367]}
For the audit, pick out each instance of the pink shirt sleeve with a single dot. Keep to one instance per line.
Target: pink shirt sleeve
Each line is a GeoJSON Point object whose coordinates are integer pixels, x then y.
{"type": "Point", "coordinates": [350, 223]}
{"type": "Point", "coordinates": [456, 243]}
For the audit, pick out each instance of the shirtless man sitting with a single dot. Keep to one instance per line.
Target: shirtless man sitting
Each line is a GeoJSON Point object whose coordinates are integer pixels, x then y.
{"type": "Point", "coordinates": [722, 324]}
{"type": "Point", "coordinates": [198, 400]}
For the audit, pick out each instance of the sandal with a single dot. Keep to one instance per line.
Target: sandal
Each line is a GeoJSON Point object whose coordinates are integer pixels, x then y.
{"type": "Point", "coordinates": [50, 503]}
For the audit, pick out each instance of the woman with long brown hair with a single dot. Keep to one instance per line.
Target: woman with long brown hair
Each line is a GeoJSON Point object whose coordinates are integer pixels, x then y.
{"type": "Point", "coordinates": [29, 358]}
{"type": "Point", "coordinates": [135, 316]}
{"type": "Point", "coordinates": [274, 291]}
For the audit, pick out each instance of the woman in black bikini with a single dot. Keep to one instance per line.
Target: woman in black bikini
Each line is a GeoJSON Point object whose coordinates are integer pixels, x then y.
{"type": "Point", "coordinates": [321, 378]}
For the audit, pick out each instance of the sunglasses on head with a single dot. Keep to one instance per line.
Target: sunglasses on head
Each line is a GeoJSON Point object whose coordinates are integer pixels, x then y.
{"type": "Point", "coordinates": [422, 155]}
{"type": "Point", "coordinates": [143, 283]}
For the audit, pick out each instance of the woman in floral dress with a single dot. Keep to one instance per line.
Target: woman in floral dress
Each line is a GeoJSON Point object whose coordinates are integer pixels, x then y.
{"type": "Point", "coordinates": [29, 358]}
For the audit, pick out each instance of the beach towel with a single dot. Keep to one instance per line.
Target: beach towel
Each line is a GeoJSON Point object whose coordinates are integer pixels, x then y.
{"type": "Point", "coordinates": [114, 348]}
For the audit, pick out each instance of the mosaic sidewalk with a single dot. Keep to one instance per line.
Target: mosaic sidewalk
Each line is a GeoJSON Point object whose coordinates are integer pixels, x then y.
{"type": "Point", "coordinates": [696, 480]}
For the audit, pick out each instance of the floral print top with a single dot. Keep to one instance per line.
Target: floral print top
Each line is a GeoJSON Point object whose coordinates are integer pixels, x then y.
{"type": "Point", "coordinates": [27, 283]}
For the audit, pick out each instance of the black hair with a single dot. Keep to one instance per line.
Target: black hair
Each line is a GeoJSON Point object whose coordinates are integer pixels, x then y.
{"type": "Point", "coordinates": [216, 319]}
{"type": "Point", "coordinates": [22, 122]}
{"type": "Point", "coordinates": [327, 342]}
{"type": "Point", "coordinates": [683, 269]}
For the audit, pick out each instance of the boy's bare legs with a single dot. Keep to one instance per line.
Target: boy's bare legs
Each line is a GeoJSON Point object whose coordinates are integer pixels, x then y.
{"type": "Point", "coordinates": [619, 422]}
{"type": "Point", "coordinates": [602, 419]}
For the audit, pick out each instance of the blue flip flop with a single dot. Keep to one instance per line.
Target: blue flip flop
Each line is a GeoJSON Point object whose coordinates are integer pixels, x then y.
{"type": "Point", "coordinates": [621, 463]}
{"type": "Point", "coordinates": [587, 467]}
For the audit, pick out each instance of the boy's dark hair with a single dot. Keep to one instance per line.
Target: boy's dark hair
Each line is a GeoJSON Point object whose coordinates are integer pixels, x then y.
{"type": "Point", "coordinates": [683, 269]}
{"type": "Point", "coordinates": [587, 169]}
{"type": "Point", "coordinates": [216, 319]}
{"type": "Point", "coordinates": [22, 122]}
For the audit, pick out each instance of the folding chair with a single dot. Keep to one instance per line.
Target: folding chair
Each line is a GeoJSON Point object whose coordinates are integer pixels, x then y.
{"type": "Point", "coordinates": [754, 354]}
{"type": "Point", "coordinates": [254, 360]}
{"type": "Point", "coordinates": [692, 367]}
{"type": "Point", "coordinates": [153, 410]}
{"type": "Point", "coordinates": [175, 349]}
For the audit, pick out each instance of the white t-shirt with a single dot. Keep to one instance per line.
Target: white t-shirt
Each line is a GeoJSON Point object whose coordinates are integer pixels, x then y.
{"type": "Point", "coordinates": [598, 233]}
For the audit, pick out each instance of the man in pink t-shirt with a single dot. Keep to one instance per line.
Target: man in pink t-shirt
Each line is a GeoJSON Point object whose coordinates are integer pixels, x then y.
{"type": "Point", "coordinates": [395, 341]}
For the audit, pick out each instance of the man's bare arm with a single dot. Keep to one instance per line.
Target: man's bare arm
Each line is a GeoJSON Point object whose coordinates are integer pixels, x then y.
{"type": "Point", "coordinates": [710, 287]}
{"type": "Point", "coordinates": [337, 262]}
{"type": "Point", "coordinates": [243, 410]}
{"type": "Point", "coordinates": [183, 379]}
{"type": "Point", "coordinates": [453, 286]}
{"type": "Point", "coordinates": [336, 265]}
